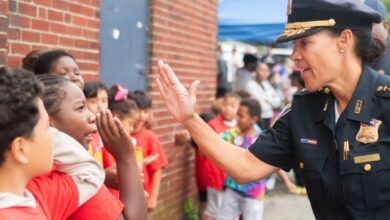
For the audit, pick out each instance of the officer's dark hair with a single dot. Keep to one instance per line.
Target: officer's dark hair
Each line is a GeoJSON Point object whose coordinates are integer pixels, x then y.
{"type": "Point", "coordinates": [367, 47]}
{"type": "Point", "coordinates": [91, 89]}
{"type": "Point", "coordinates": [250, 62]}
{"type": "Point", "coordinates": [45, 61]}
{"type": "Point", "coordinates": [253, 106]}
{"type": "Point", "coordinates": [19, 93]}
{"type": "Point", "coordinates": [122, 107]}
{"type": "Point", "coordinates": [54, 92]}
{"type": "Point", "coordinates": [142, 99]}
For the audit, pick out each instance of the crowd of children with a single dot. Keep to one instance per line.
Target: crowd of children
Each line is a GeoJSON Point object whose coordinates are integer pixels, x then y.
{"type": "Point", "coordinates": [105, 161]}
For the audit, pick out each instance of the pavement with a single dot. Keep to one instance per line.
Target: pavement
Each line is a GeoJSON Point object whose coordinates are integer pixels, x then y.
{"type": "Point", "coordinates": [280, 205]}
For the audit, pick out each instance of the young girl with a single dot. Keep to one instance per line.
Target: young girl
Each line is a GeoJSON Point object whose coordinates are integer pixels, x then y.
{"type": "Point", "coordinates": [66, 105]}
{"type": "Point", "coordinates": [96, 94]}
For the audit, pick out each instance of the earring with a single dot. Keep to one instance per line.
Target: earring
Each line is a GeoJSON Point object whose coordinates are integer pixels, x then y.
{"type": "Point", "coordinates": [342, 51]}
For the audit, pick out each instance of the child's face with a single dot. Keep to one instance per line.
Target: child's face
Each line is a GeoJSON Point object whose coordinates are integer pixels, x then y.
{"type": "Point", "coordinates": [39, 148]}
{"type": "Point", "coordinates": [244, 120]}
{"type": "Point", "coordinates": [229, 108]}
{"type": "Point", "coordinates": [143, 117]}
{"type": "Point", "coordinates": [129, 121]}
{"type": "Point", "coordinates": [68, 68]}
{"type": "Point", "coordinates": [74, 118]}
{"type": "Point", "coordinates": [99, 103]}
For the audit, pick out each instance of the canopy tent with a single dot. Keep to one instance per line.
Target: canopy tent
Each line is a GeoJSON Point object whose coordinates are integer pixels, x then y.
{"type": "Point", "coordinates": [251, 21]}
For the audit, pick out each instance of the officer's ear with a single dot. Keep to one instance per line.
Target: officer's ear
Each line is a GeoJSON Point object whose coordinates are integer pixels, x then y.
{"type": "Point", "coordinates": [345, 40]}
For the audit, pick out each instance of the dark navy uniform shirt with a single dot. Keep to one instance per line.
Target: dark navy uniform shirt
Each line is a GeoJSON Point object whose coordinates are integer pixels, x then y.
{"type": "Point", "coordinates": [382, 64]}
{"type": "Point", "coordinates": [345, 165]}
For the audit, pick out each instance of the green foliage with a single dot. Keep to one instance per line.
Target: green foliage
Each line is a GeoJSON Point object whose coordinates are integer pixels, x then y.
{"type": "Point", "coordinates": [190, 210]}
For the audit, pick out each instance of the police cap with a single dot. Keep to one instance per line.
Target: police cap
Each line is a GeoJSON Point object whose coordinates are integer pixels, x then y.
{"type": "Point", "coordinates": [378, 6]}
{"type": "Point", "coordinates": [306, 17]}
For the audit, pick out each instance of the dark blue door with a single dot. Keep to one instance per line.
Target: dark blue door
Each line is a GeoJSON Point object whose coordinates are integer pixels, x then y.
{"type": "Point", "coordinates": [123, 42]}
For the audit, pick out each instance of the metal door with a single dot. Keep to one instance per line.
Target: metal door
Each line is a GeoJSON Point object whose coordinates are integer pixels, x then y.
{"type": "Point", "coordinates": [123, 42]}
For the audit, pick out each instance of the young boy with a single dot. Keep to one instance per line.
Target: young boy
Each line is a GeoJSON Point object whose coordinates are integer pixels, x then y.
{"type": "Point", "coordinates": [244, 199]}
{"type": "Point", "coordinates": [148, 146]}
{"type": "Point", "coordinates": [214, 175]}
{"type": "Point", "coordinates": [26, 151]}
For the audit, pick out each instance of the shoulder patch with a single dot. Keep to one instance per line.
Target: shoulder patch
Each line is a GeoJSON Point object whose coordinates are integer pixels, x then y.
{"type": "Point", "coordinates": [285, 110]}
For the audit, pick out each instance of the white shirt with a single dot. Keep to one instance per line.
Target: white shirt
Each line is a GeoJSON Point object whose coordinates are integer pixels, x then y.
{"type": "Point", "coordinates": [266, 95]}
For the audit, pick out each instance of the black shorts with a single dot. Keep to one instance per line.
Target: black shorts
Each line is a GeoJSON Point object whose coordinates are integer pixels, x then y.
{"type": "Point", "coordinates": [202, 195]}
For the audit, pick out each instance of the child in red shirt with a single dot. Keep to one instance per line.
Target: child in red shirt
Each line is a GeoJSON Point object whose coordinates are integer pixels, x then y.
{"type": "Point", "coordinates": [26, 151]}
{"type": "Point", "coordinates": [215, 177]}
{"type": "Point", "coordinates": [148, 149]}
{"type": "Point", "coordinates": [65, 103]}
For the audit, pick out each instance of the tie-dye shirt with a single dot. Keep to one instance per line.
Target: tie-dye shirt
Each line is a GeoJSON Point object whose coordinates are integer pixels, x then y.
{"type": "Point", "coordinates": [254, 189]}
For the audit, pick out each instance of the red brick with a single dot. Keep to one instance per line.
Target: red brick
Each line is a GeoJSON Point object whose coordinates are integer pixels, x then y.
{"type": "Point", "coordinates": [93, 24]}
{"type": "Point", "coordinates": [14, 34]}
{"type": "Point", "coordinates": [80, 21]}
{"type": "Point", "coordinates": [20, 48]}
{"type": "Point", "coordinates": [42, 13]}
{"type": "Point", "coordinates": [58, 28]}
{"type": "Point", "coordinates": [55, 15]}
{"type": "Point", "coordinates": [66, 41]}
{"type": "Point", "coordinates": [13, 61]}
{"type": "Point", "coordinates": [41, 25]}
{"type": "Point", "coordinates": [30, 36]}
{"type": "Point", "coordinates": [26, 9]}
{"type": "Point", "coordinates": [47, 3]}
{"type": "Point", "coordinates": [49, 39]}
{"type": "Point", "coordinates": [19, 21]}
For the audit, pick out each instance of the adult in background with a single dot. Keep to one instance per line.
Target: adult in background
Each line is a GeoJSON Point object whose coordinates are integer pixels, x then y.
{"type": "Point", "coordinates": [265, 94]}
{"type": "Point", "coordinates": [223, 85]}
{"type": "Point", "coordinates": [379, 31]}
{"type": "Point", "coordinates": [244, 75]}
{"type": "Point", "coordinates": [337, 132]}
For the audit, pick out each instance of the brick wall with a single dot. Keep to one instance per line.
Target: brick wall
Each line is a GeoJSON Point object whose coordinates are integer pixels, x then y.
{"type": "Point", "coordinates": [182, 33]}
{"type": "Point", "coordinates": [3, 31]}
{"type": "Point", "coordinates": [52, 24]}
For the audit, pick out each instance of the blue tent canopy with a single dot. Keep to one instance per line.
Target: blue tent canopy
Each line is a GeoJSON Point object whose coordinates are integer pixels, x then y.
{"type": "Point", "coordinates": [251, 21]}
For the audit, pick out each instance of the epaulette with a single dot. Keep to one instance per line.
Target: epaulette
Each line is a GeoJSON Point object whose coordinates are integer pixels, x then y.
{"type": "Point", "coordinates": [285, 110]}
{"type": "Point", "coordinates": [382, 89]}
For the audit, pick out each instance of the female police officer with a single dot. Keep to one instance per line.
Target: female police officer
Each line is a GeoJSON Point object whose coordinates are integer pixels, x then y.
{"type": "Point", "coordinates": [337, 132]}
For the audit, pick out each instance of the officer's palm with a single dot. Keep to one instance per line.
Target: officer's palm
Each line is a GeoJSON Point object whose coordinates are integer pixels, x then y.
{"type": "Point", "coordinates": [180, 102]}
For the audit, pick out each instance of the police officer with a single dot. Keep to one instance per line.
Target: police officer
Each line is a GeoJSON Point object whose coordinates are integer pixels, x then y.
{"type": "Point", "coordinates": [382, 63]}
{"type": "Point", "coordinates": [337, 132]}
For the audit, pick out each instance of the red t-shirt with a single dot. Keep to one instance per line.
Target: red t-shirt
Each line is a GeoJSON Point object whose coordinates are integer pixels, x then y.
{"type": "Point", "coordinates": [103, 205]}
{"type": "Point", "coordinates": [148, 145]}
{"type": "Point", "coordinates": [200, 176]}
{"type": "Point", "coordinates": [56, 193]}
{"type": "Point", "coordinates": [38, 213]}
{"type": "Point", "coordinates": [213, 175]}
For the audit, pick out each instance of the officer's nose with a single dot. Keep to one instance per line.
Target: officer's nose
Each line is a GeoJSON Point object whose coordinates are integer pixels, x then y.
{"type": "Point", "coordinates": [296, 55]}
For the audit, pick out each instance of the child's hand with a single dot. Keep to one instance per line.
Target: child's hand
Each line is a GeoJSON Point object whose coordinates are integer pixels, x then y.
{"type": "Point", "coordinates": [115, 138]}
{"type": "Point", "coordinates": [182, 138]}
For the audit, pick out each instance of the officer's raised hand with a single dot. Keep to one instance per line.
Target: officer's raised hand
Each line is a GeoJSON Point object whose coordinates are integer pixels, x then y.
{"type": "Point", "coordinates": [179, 101]}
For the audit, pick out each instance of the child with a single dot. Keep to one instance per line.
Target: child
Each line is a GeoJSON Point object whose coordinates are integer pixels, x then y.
{"type": "Point", "coordinates": [244, 199]}
{"type": "Point", "coordinates": [148, 146]}
{"type": "Point", "coordinates": [26, 151]}
{"type": "Point", "coordinates": [214, 175]}
{"type": "Point", "coordinates": [67, 109]}
{"type": "Point", "coordinates": [96, 94]}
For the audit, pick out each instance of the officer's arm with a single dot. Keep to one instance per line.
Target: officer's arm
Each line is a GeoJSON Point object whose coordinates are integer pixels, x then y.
{"type": "Point", "coordinates": [237, 162]}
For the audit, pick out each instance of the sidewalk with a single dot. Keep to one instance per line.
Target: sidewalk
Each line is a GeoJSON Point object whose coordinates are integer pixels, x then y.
{"type": "Point", "coordinates": [282, 205]}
